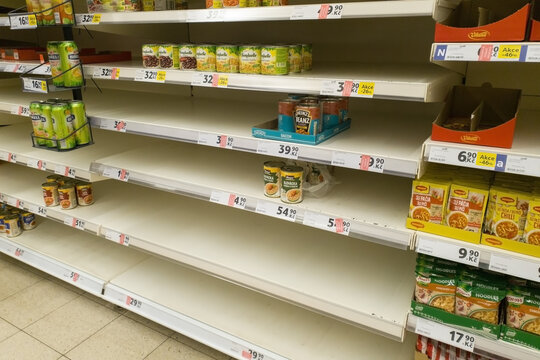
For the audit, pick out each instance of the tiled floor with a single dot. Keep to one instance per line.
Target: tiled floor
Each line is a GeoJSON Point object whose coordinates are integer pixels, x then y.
{"type": "Point", "coordinates": [43, 318]}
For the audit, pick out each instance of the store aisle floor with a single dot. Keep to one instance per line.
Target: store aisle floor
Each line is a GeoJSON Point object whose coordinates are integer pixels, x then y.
{"type": "Point", "coordinates": [44, 318]}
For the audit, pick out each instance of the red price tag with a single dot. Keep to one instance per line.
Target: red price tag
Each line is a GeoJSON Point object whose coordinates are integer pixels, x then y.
{"type": "Point", "coordinates": [485, 52]}
{"type": "Point", "coordinates": [347, 88]}
{"type": "Point", "coordinates": [364, 162]}
{"type": "Point", "coordinates": [323, 12]}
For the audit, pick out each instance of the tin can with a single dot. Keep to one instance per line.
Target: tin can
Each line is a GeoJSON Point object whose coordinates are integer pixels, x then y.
{"type": "Point", "coordinates": [53, 54]}
{"type": "Point", "coordinates": [150, 55]}
{"type": "Point", "coordinates": [307, 119]}
{"type": "Point", "coordinates": [235, 3]}
{"type": "Point", "coordinates": [292, 178]}
{"type": "Point", "coordinates": [286, 110]}
{"type": "Point", "coordinates": [84, 193]}
{"type": "Point", "coordinates": [12, 224]}
{"type": "Point", "coordinates": [343, 108]}
{"type": "Point", "coordinates": [216, 4]}
{"type": "Point", "coordinates": [67, 196]}
{"type": "Point", "coordinates": [307, 57]}
{"type": "Point", "coordinates": [50, 193]}
{"type": "Point", "coordinates": [148, 5]}
{"type": "Point", "coordinates": [37, 125]}
{"type": "Point", "coordinates": [63, 14]}
{"type": "Point", "coordinates": [48, 124]}
{"type": "Point", "coordinates": [55, 179]}
{"type": "Point", "coordinates": [28, 220]}
{"type": "Point", "coordinates": [3, 215]}
{"type": "Point", "coordinates": [181, 4]}
{"type": "Point", "coordinates": [188, 57]}
{"type": "Point", "coordinates": [69, 57]}
{"type": "Point", "coordinates": [47, 12]}
{"type": "Point", "coordinates": [227, 58]}
{"type": "Point", "coordinates": [310, 100]}
{"type": "Point", "coordinates": [206, 58]}
{"type": "Point", "coordinates": [169, 57]}
{"type": "Point", "coordinates": [82, 136]}
{"type": "Point", "coordinates": [250, 59]}
{"type": "Point", "coordinates": [63, 126]}
{"type": "Point", "coordinates": [253, 3]}
{"type": "Point", "coordinates": [295, 58]}
{"type": "Point", "coordinates": [35, 7]}
{"type": "Point", "coordinates": [275, 60]}
{"type": "Point", "coordinates": [272, 178]}
{"type": "Point", "coordinates": [331, 113]}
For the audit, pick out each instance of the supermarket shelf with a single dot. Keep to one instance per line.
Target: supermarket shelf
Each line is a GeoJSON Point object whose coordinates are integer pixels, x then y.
{"type": "Point", "coordinates": [235, 320]}
{"type": "Point", "coordinates": [486, 52]}
{"type": "Point", "coordinates": [4, 21]}
{"type": "Point", "coordinates": [80, 259]}
{"type": "Point", "coordinates": [496, 349]}
{"type": "Point", "coordinates": [19, 67]}
{"type": "Point", "coordinates": [523, 158]}
{"type": "Point", "coordinates": [427, 83]}
{"type": "Point", "coordinates": [207, 173]}
{"type": "Point", "coordinates": [494, 259]}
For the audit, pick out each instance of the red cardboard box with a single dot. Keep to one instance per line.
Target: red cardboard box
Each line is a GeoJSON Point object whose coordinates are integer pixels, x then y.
{"type": "Point", "coordinates": [30, 53]}
{"type": "Point", "coordinates": [505, 20]}
{"type": "Point", "coordinates": [492, 112]}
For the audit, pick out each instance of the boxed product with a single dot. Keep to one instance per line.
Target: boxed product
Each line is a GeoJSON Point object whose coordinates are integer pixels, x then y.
{"type": "Point", "coordinates": [485, 21]}
{"type": "Point", "coordinates": [21, 53]}
{"type": "Point", "coordinates": [479, 116]}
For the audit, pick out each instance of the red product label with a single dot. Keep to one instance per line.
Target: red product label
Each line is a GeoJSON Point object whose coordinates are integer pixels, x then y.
{"type": "Point", "coordinates": [461, 205]}
{"type": "Point", "coordinates": [422, 200]}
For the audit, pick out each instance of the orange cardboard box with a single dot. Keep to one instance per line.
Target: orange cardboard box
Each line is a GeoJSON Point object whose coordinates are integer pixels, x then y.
{"type": "Point", "coordinates": [492, 113]}
{"type": "Point", "coordinates": [485, 20]}
{"type": "Point", "coordinates": [30, 53]}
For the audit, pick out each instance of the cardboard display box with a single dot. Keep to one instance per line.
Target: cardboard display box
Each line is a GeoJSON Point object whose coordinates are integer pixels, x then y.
{"type": "Point", "coordinates": [443, 230]}
{"type": "Point", "coordinates": [22, 53]}
{"type": "Point", "coordinates": [520, 337]}
{"type": "Point", "coordinates": [511, 245]}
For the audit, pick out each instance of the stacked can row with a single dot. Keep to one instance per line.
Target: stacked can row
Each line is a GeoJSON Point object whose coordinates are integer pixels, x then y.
{"type": "Point", "coordinates": [63, 56]}
{"type": "Point", "coordinates": [135, 5]}
{"type": "Point", "coordinates": [216, 4]}
{"type": "Point", "coordinates": [14, 220]}
{"type": "Point", "coordinates": [66, 192]}
{"type": "Point", "coordinates": [51, 12]}
{"type": "Point", "coordinates": [60, 124]}
{"type": "Point", "coordinates": [245, 59]}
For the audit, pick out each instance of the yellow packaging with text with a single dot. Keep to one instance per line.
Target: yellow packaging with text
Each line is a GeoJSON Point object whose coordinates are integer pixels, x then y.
{"type": "Point", "coordinates": [532, 226]}
{"type": "Point", "coordinates": [428, 201]}
{"type": "Point", "coordinates": [466, 207]}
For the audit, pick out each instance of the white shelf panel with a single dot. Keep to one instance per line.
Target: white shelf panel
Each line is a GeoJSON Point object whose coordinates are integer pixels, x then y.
{"type": "Point", "coordinates": [487, 52]}
{"type": "Point", "coordinates": [496, 349]}
{"type": "Point", "coordinates": [523, 158]}
{"type": "Point", "coordinates": [81, 259]}
{"type": "Point", "coordinates": [356, 199]}
{"type": "Point", "coordinates": [233, 319]}
{"type": "Point", "coordinates": [19, 67]}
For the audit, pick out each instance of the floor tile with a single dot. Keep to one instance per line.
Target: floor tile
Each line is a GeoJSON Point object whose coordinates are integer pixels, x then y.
{"type": "Point", "coordinates": [34, 302]}
{"type": "Point", "coordinates": [121, 339]}
{"type": "Point", "coordinates": [6, 330]}
{"type": "Point", "coordinates": [22, 346]}
{"type": "Point", "coordinates": [105, 303]}
{"type": "Point", "coordinates": [14, 279]}
{"type": "Point", "coordinates": [200, 347]}
{"type": "Point", "coordinates": [174, 350]}
{"type": "Point", "coordinates": [65, 284]}
{"type": "Point", "coordinates": [71, 324]}
{"type": "Point", "coordinates": [152, 325]}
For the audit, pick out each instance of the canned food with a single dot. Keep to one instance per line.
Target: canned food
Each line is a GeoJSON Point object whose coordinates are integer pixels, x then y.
{"type": "Point", "coordinates": [286, 110]}
{"type": "Point", "coordinates": [69, 58]}
{"type": "Point", "coordinates": [343, 108]}
{"type": "Point", "coordinates": [47, 12]}
{"type": "Point", "coordinates": [235, 3]}
{"type": "Point", "coordinates": [295, 58]}
{"type": "Point", "coordinates": [297, 96]}
{"type": "Point", "coordinates": [250, 59]}
{"type": "Point", "coordinates": [55, 64]}
{"type": "Point", "coordinates": [227, 58]}
{"type": "Point", "coordinates": [291, 184]}
{"type": "Point", "coordinates": [63, 126]}
{"type": "Point", "coordinates": [206, 58]}
{"type": "Point", "coordinates": [3, 215]}
{"type": "Point", "coordinates": [54, 178]}
{"type": "Point", "coordinates": [63, 13]}
{"type": "Point", "coordinates": [310, 100]}
{"type": "Point", "coordinates": [12, 224]}
{"type": "Point", "coordinates": [148, 5]}
{"type": "Point", "coordinates": [129, 5]}
{"type": "Point", "coordinates": [188, 57]}
{"type": "Point", "coordinates": [67, 196]}
{"type": "Point", "coordinates": [150, 55]}
{"type": "Point", "coordinates": [168, 56]}
{"type": "Point", "coordinates": [50, 193]}
{"type": "Point", "coordinates": [272, 178]}
{"type": "Point", "coordinates": [307, 119]}
{"type": "Point", "coordinates": [307, 57]}
{"type": "Point", "coordinates": [28, 220]}
{"type": "Point", "coordinates": [181, 4]}
{"type": "Point", "coordinates": [331, 113]}
{"type": "Point", "coordinates": [253, 3]}
{"type": "Point", "coordinates": [216, 4]}
{"type": "Point", "coordinates": [84, 193]}
{"type": "Point", "coordinates": [82, 136]}
{"type": "Point", "coordinates": [275, 60]}
{"type": "Point", "coordinates": [266, 3]}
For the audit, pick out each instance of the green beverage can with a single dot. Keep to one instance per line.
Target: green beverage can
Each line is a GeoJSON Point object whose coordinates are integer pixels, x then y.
{"type": "Point", "coordinates": [48, 125]}
{"type": "Point", "coordinates": [63, 126]}
{"type": "Point", "coordinates": [69, 57]}
{"type": "Point", "coordinates": [35, 116]}
{"type": "Point", "coordinates": [55, 63]}
{"type": "Point", "coordinates": [82, 136]}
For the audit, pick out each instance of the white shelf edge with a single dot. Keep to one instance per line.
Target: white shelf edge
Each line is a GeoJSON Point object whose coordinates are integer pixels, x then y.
{"type": "Point", "coordinates": [444, 52]}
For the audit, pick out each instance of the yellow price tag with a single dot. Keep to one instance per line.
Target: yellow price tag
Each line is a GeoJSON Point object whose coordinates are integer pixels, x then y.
{"type": "Point", "coordinates": [161, 76]}
{"type": "Point", "coordinates": [223, 81]}
{"type": "Point", "coordinates": [509, 51]}
{"type": "Point", "coordinates": [96, 18]}
{"type": "Point", "coordinates": [117, 74]}
{"type": "Point", "coordinates": [32, 20]}
{"type": "Point", "coordinates": [366, 89]}
{"type": "Point", "coordinates": [486, 159]}
{"type": "Point", "coordinates": [44, 86]}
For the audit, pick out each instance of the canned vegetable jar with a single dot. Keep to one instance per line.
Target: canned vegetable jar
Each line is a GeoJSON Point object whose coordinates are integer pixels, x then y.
{"type": "Point", "coordinates": [84, 193]}
{"type": "Point", "coordinates": [67, 196]}
{"type": "Point", "coordinates": [227, 58]}
{"type": "Point", "coordinates": [216, 4]}
{"type": "Point", "coordinates": [250, 59]}
{"type": "Point", "coordinates": [150, 55]}
{"type": "Point", "coordinates": [286, 110]}
{"type": "Point", "coordinates": [54, 61]}
{"type": "Point", "coordinates": [188, 57]}
{"type": "Point", "coordinates": [48, 124]}
{"type": "Point", "coordinates": [331, 113]}
{"type": "Point", "coordinates": [206, 58]}
{"type": "Point", "coordinates": [63, 126]}
{"type": "Point", "coordinates": [295, 58]}
{"type": "Point", "coordinates": [50, 193]}
{"type": "Point", "coordinates": [291, 184]}
{"type": "Point", "coordinates": [12, 224]}
{"type": "Point", "coordinates": [272, 178]}
{"type": "Point", "coordinates": [37, 124]}
{"type": "Point", "coordinates": [69, 57]}
{"type": "Point", "coordinates": [168, 57]}
{"type": "Point", "coordinates": [307, 57]}
{"type": "Point", "coordinates": [28, 220]}
{"type": "Point", "coordinates": [82, 136]}
{"type": "Point", "coordinates": [307, 119]}
{"type": "Point", "coordinates": [275, 60]}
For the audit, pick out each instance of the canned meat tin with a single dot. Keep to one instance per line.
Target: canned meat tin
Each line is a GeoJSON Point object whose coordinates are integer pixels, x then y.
{"type": "Point", "coordinates": [291, 184]}
{"type": "Point", "coordinates": [272, 178]}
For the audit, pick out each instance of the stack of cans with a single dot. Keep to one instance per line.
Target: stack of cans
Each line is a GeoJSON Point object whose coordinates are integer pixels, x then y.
{"type": "Point", "coordinates": [63, 56]}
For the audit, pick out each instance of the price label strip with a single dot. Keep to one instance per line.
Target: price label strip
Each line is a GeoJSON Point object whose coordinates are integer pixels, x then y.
{"type": "Point", "coordinates": [35, 85]}
{"type": "Point", "coordinates": [445, 334]}
{"type": "Point", "coordinates": [228, 199]}
{"type": "Point", "coordinates": [324, 222]}
{"type": "Point", "coordinates": [210, 80]}
{"type": "Point", "coordinates": [208, 15]}
{"type": "Point", "coordinates": [115, 173]}
{"type": "Point", "coordinates": [88, 19]}
{"type": "Point", "coordinates": [358, 162]}
{"type": "Point", "coordinates": [7, 156]}
{"type": "Point", "coordinates": [109, 73]}
{"type": "Point", "coordinates": [222, 141]}
{"type": "Point", "coordinates": [20, 110]}
{"type": "Point", "coordinates": [348, 88]}
{"type": "Point", "coordinates": [64, 171]}
{"type": "Point", "coordinates": [117, 237]}
{"type": "Point", "coordinates": [444, 250]}
{"type": "Point", "coordinates": [20, 22]}
{"type": "Point", "coordinates": [289, 151]}
{"type": "Point", "coordinates": [114, 125]}
{"type": "Point", "coordinates": [37, 164]}
{"type": "Point", "coordinates": [133, 302]}
{"type": "Point", "coordinates": [513, 266]}
{"type": "Point", "coordinates": [37, 209]}
{"type": "Point", "coordinates": [74, 222]}
{"type": "Point", "coordinates": [276, 210]}
{"type": "Point", "coordinates": [467, 158]}
{"type": "Point", "coordinates": [321, 12]}
{"type": "Point", "coordinates": [155, 76]}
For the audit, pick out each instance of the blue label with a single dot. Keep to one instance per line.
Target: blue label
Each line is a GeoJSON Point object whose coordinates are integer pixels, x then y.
{"type": "Point", "coordinates": [500, 163]}
{"type": "Point", "coordinates": [440, 52]}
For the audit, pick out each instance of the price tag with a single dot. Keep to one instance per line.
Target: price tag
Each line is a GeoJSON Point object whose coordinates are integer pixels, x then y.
{"type": "Point", "coordinates": [208, 15]}
{"type": "Point", "coordinates": [445, 334]}
{"type": "Point", "coordinates": [509, 51]}
{"type": "Point", "coordinates": [467, 158]}
{"type": "Point", "coordinates": [358, 162]}
{"type": "Point", "coordinates": [210, 80]}
{"type": "Point", "coordinates": [458, 253]}
{"type": "Point", "coordinates": [324, 222]}
{"type": "Point", "coordinates": [88, 19]}
{"type": "Point", "coordinates": [117, 237]}
{"type": "Point", "coordinates": [222, 141]}
{"type": "Point", "coordinates": [37, 164]}
{"type": "Point", "coordinates": [38, 210]}
{"type": "Point", "coordinates": [9, 157]}
{"type": "Point", "coordinates": [43, 70]}
{"type": "Point", "coordinates": [273, 148]}
{"type": "Point", "coordinates": [133, 302]}
{"type": "Point", "coordinates": [114, 125]}
{"type": "Point", "coordinates": [109, 73]}
{"type": "Point", "coordinates": [9, 200]}
{"type": "Point", "coordinates": [20, 110]}
{"type": "Point", "coordinates": [74, 222]}
{"type": "Point", "coordinates": [276, 210]}
{"type": "Point", "coordinates": [117, 174]}
{"type": "Point", "coordinates": [522, 165]}
{"type": "Point", "coordinates": [156, 76]}
{"type": "Point", "coordinates": [226, 198]}
{"type": "Point", "coordinates": [250, 354]}
{"type": "Point", "coordinates": [323, 11]}
{"type": "Point", "coordinates": [19, 22]}
{"type": "Point", "coordinates": [35, 85]}
{"type": "Point", "coordinates": [19, 252]}
{"type": "Point", "coordinates": [74, 276]}
{"type": "Point", "coordinates": [352, 88]}
{"type": "Point", "coordinates": [64, 171]}
{"type": "Point", "coordinates": [521, 268]}
{"type": "Point", "coordinates": [11, 68]}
